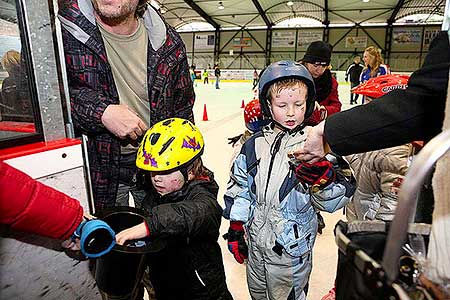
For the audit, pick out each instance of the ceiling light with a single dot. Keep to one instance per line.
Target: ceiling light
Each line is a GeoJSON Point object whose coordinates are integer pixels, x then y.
{"type": "Point", "coordinates": [365, 1]}
{"type": "Point", "coordinates": [221, 6]}
{"type": "Point", "coordinates": [290, 3]}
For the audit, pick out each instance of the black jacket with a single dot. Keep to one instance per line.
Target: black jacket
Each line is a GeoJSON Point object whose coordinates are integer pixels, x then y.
{"type": "Point", "coordinates": [190, 266]}
{"type": "Point", "coordinates": [354, 70]}
{"type": "Point", "coordinates": [400, 116]}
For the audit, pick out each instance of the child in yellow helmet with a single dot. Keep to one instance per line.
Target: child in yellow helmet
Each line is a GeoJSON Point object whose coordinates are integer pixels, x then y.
{"type": "Point", "coordinates": [183, 210]}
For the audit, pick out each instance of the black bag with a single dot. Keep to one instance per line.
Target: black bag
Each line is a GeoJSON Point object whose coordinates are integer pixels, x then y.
{"type": "Point", "coordinates": [360, 275]}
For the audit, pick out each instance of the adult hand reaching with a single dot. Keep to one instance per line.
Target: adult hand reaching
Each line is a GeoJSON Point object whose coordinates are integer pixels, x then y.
{"type": "Point", "coordinates": [123, 122]}
{"type": "Point", "coordinates": [314, 148]}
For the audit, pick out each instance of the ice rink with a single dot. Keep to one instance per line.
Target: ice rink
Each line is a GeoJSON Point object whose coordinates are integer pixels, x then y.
{"type": "Point", "coordinates": [226, 120]}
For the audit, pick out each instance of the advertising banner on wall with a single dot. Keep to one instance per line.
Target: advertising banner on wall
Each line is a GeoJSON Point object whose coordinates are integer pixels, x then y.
{"type": "Point", "coordinates": [406, 36]}
{"type": "Point", "coordinates": [283, 39]}
{"type": "Point", "coordinates": [204, 41]}
{"type": "Point", "coordinates": [307, 37]}
{"type": "Point", "coordinates": [244, 42]}
{"type": "Point", "coordinates": [429, 35]}
{"type": "Point", "coordinates": [356, 42]}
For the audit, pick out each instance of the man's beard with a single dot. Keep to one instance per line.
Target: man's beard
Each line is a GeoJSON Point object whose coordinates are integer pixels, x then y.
{"type": "Point", "coordinates": [118, 15]}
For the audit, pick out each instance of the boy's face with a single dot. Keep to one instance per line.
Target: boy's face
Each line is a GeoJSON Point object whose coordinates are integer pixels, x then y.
{"type": "Point", "coordinates": [289, 105]}
{"type": "Point", "coordinates": [167, 182]}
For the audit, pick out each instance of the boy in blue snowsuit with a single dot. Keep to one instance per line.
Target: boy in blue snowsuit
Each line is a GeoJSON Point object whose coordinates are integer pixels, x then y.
{"type": "Point", "coordinates": [271, 197]}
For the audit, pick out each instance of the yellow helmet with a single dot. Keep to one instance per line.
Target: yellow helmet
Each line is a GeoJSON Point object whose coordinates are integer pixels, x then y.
{"type": "Point", "coordinates": [169, 144]}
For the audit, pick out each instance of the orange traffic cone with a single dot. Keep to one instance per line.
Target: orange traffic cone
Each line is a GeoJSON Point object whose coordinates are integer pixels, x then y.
{"type": "Point", "coordinates": [205, 113]}
{"type": "Point", "coordinates": [243, 104]}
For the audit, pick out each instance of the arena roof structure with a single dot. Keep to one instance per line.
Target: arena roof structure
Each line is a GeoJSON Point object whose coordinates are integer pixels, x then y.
{"type": "Point", "coordinates": [238, 14]}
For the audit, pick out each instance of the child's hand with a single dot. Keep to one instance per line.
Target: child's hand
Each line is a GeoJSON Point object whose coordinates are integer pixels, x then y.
{"type": "Point", "coordinates": [233, 140]}
{"type": "Point", "coordinates": [236, 241]}
{"type": "Point", "coordinates": [318, 174]}
{"type": "Point", "coordinates": [132, 233]}
{"type": "Point", "coordinates": [71, 244]}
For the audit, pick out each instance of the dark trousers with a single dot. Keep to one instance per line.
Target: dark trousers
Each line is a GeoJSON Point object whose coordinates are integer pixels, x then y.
{"type": "Point", "coordinates": [129, 182]}
{"type": "Point", "coordinates": [353, 84]}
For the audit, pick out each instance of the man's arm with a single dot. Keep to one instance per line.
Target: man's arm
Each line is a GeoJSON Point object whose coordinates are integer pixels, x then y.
{"type": "Point", "coordinates": [184, 96]}
{"type": "Point", "coordinates": [396, 118]}
{"type": "Point", "coordinates": [91, 116]}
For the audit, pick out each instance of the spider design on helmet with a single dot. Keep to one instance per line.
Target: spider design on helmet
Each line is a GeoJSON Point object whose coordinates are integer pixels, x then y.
{"type": "Point", "coordinates": [191, 143]}
{"type": "Point", "coordinates": [149, 159]}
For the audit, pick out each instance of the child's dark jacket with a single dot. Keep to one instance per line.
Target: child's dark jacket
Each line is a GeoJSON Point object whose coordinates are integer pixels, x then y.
{"type": "Point", "coordinates": [191, 266]}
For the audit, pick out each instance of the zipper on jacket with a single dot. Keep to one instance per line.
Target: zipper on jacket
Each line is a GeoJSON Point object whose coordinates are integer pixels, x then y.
{"type": "Point", "coordinates": [199, 278]}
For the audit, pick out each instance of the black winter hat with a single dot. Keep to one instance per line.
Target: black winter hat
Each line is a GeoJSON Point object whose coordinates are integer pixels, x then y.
{"type": "Point", "coordinates": [318, 53]}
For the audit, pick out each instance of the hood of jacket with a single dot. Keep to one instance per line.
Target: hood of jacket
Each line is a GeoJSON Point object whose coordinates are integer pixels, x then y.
{"type": "Point", "coordinates": [77, 17]}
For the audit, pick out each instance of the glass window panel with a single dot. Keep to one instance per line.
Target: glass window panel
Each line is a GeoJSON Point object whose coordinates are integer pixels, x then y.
{"type": "Point", "coordinates": [17, 117]}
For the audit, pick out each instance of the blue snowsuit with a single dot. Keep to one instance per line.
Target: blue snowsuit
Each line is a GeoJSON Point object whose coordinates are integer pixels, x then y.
{"type": "Point", "coordinates": [278, 212]}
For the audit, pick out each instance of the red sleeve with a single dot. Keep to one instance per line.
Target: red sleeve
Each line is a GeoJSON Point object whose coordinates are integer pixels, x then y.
{"type": "Point", "coordinates": [332, 103]}
{"type": "Point", "coordinates": [28, 205]}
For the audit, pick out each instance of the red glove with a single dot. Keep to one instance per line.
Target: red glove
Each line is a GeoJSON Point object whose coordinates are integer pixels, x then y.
{"type": "Point", "coordinates": [236, 241]}
{"type": "Point", "coordinates": [318, 174]}
{"type": "Point", "coordinates": [319, 114]}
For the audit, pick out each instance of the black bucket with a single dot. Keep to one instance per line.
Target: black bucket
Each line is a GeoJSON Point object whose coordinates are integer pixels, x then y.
{"type": "Point", "coordinates": [119, 272]}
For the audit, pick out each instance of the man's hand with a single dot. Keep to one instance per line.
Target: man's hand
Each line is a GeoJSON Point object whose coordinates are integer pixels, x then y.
{"type": "Point", "coordinates": [123, 122]}
{"type": "Point", "coordinates": [313, 149]}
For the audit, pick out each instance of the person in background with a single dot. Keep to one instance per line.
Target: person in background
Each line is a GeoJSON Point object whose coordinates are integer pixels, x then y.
{"type": "Point", "coordinates": [254, 121]}
{"type": "Point", "coordinates": [127, 69]}
{"type": "Point", "coordinates": [183, 211]}
{"type": "Point", "coordinates": [193, 76]}
{"type": "Point", "coordinates": [354, 72]}
{"type": "Point", "coordinates": [317, 60]}
{"type": "Point", "coordinates": [217, 74]}
{"type": "Point", "coordinates": [255, 79]}
{"type": "Point", "coordinates": [270, 198]}
{"type": "Point", "coordinates": [205, 76]}
{"type": "Point", "coordinates": [373, 65]}
{"type": "Point", "coordinates": [15, 95]}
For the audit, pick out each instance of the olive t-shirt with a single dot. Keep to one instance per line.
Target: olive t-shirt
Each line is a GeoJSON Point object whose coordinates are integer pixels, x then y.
{"type": "Point", "coordinates": [127, 55]}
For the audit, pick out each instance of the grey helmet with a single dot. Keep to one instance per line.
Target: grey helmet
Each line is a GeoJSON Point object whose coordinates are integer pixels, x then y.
{"type": "Point", "coordinates": [281, 70]}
